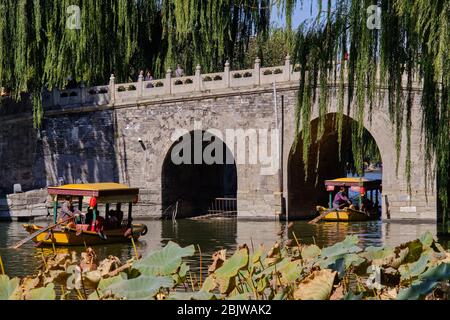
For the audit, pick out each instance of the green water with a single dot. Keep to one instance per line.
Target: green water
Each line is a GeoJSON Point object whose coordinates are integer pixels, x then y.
{"type": "Point", "coordinates": [212, 235]}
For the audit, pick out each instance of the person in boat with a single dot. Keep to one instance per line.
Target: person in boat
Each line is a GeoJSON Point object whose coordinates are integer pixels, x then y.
{"type": "Point", "coordinates": [68, 212]}
{"type": "Point", "coordinates": [341, 199]}
{"type": "Point", "coordinates": [111, 220]}
{"type": "Point", "coordinates": [119, 215]}
{"type": "Point", "coordinates": [367, 205]}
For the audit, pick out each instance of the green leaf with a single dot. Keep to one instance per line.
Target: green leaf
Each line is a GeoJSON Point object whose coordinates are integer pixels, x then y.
{"type": "Point", "coordinates": [317, 286]}
{"type": "Point", "coordinates": [46, 293]}
{"type": "Point", "coordinates": [209, 284]}
{"type": "Point", "coordinates": [349, 245]}
{"type": "Point", "coordinates": [231, 267]}
{"type": "Point", "coordinates": [240, 297]}
{"type": "Point", "coordinates": [290, 271]}
{"type": "Point", "coordinates": [104, 283]}
{"type": "Point", "coordinates": [141, 288]}
{"type": "Point", "coordinates": [427, 283]}
{"type": "Point", "coordinates": [412, 270]}
{"type": "Point", "coordinates": [310, 252]}
{"type": "Point", "coordinates": [165, 261]}
{"type": "Point", "coordinates": [427, 239]}
{"type": "Point", "coordinates": [7, 287]}
{"type": "Point", "coordinates": [199, 295]}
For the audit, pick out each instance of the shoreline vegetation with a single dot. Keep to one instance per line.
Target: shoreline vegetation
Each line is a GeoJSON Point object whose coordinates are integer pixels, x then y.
{"type": "Point", "coordinates": [419, 269]}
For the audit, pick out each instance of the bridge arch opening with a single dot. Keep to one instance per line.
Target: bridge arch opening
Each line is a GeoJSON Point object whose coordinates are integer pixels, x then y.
{"type": "Point", "coordinates": [305, 192]}
{"type": "Point", "coordinates": [199, 177]}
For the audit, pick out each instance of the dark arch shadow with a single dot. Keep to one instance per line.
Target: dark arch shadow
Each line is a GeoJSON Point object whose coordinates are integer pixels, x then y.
{"type": "Point", "coordinates": [195, 186]}
{"type": "Point", "coordinates": [305, 194]}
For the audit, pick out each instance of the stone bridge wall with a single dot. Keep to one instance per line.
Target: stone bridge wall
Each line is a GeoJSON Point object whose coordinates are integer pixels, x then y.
{"type": "Point", "coordinates": [88, 140]}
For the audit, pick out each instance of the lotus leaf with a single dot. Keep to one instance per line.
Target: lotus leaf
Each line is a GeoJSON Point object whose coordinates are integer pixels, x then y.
{"type": "Point", "coordinates": [231, 267]}
{"type": "Point", "coordinates": [165, 261]}
{"type": "Point", "coordinates": [199, 295]}
{"type": "Point", "coordinates": [427, 283]}
{"type": "Point", "coordinates": [8, 287]}
{"type": "Point", "coordinates": [242, 296]}
{"type": "Point", "coordinates": [346, 246]}
{"type": "Point", "coordinates": [290, 271]}
{"type": "Point", "coordinates": [104, 283]}
{"type": "Point", "coordinates": [257, 255]}
{"type": "Point", "coordinates": [316, 286]}
{"type": "Point", "coordinates": [412, 270]}
{"type": "Point", "coordinates": [373, 253]}
{"type": "Point", "coordinates": [310, 252]}
{"type": "Point", "coordinates": [45, 293]}
{"type": "Point", "coordinates": [427, 239]}
{"type": "Point", "coordinates": [141, 288]}
{"type": "Point", "coordinates": [209, 284]}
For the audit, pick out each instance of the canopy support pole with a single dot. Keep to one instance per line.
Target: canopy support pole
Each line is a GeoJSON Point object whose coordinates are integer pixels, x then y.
{"type": "Point", "coordinates": [130, 208]}
{"type": "Point", "coordinates": [55, 209]}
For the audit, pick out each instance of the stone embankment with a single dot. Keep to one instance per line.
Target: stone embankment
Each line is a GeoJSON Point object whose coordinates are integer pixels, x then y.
{"type": "Point", "coordinates": [25, 206]}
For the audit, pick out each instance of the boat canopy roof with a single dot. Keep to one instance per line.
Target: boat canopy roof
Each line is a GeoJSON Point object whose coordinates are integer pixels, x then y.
{"type": "Point", "coordinates": [104, 192]}
{"type": "Point", "coordinates": [354, 182]}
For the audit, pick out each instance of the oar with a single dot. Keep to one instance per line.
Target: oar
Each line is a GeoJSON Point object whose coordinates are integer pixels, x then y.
{"type": "Point", "coordinates": [321, 216]}
{"type": "Point", "coordinates": [35, 234]}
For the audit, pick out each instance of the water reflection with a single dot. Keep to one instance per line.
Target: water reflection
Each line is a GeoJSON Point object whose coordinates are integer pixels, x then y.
{"type": "Point", "coordinates": [212, 235]}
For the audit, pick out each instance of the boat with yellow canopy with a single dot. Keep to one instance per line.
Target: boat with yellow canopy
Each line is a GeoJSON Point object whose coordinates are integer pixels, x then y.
{"type": "Point", "coordinates": [88, 227]}
{"type": "Point", "coordinates": [368, 206]}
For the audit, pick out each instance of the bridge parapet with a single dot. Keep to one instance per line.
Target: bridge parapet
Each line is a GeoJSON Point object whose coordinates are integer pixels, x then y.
{"type": "Point", "coordinates": [114, 93]}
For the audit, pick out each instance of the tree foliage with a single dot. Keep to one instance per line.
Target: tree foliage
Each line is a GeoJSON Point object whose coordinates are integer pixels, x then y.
{"type": "Point", "coordinates": [412, 43]}
{"type": "Point", "coordinates": [38, 48]}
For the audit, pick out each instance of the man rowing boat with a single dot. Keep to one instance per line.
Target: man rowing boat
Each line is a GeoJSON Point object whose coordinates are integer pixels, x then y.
{"type": "Point", "coordinates": [341, 200]}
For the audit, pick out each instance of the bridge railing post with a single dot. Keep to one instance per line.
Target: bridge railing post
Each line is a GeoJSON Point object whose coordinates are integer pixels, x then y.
{"type": "Point", "coordinates": [287, 68]}
{"type": "Point", "coordinates": [112, 89]}
{"type": "Point", "coordinates": [226, 74]}
{"type": "Point", "coordinates": [198, 78]}
{"type": "Point", "coordinates": [83, 92]}
{"type": "Point", "coordinates": [140, 85]}
{"type": "Point", "coordinates": [56, 96]}
{"type": "Point", "coordinates": [168, 82]}
{"type": "Point", "coordinates": [257, 71]}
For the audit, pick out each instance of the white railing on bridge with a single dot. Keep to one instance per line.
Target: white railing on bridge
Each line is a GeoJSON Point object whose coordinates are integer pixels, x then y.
{"type": "Point", "coordinates": [131, 92]}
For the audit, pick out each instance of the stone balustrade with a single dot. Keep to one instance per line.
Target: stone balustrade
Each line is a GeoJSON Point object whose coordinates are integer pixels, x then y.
{"type": "Point", "coordinates": [115, 93]}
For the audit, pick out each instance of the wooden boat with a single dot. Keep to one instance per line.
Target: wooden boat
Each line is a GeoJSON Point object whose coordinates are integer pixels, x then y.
{"type": "Point", "coordinates": [368, 191]}
{"type": "Point", "coordinates": [79, 234]}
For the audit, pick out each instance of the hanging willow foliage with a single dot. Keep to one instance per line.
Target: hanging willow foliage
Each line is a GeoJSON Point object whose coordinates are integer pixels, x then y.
{"type": "Point", "coordinates": [413, 41]}
{"type": "Point", "coordinates": [38, 49]}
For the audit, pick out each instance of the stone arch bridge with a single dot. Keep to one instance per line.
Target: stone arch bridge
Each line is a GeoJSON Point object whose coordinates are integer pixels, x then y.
{"type": "Point", "coordinates": [124, 132]}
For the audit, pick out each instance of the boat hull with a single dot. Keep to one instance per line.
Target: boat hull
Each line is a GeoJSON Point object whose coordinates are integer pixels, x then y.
{"type": "Point", "coordinates": [347, 215]}
{"type": "Point", "coordinates": [68, 236]}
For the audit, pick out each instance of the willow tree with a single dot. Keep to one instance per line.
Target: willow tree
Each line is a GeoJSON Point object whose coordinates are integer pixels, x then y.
{"type": "Point", "coordinates": [413, 39]}
{"type": "Point", "coordinates": [42, 44]}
